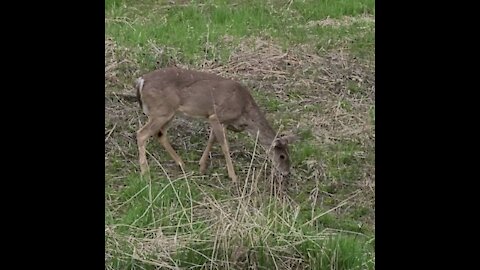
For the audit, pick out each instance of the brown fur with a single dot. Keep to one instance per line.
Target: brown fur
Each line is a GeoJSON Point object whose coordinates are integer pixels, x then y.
{"type": "Point", "coordinates": [223, 102]}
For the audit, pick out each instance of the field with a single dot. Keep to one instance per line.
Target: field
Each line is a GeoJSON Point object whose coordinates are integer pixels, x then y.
{"type": "Point", "coordinates": [310, 65]}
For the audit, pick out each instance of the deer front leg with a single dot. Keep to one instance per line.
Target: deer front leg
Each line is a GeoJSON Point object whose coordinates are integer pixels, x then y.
{"type": "Point", "coordinates": [219, 132]}
{"type": "Point", "coordinates": [203, 160]}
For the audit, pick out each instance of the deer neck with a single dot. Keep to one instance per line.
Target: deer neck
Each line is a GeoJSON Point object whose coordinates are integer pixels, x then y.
{"type": "Point", "coordinates": [259, 124]}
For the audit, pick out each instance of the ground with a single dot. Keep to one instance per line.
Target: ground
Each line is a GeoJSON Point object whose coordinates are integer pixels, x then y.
{"type": "Point", "coordinates": [311, 67]}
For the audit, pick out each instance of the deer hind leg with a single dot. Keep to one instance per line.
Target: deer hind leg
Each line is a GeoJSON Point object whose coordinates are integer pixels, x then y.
{"type": "Point", "coordinates": [219, 132]}
{"type": "Point", "coordinates": [203, 160]}
{"type": "Point", "coordinates": [163, 139]}
{"type": "Point", "coordinates": [154, 126]}
{"type": "Point", "coordinates": [143, 134]}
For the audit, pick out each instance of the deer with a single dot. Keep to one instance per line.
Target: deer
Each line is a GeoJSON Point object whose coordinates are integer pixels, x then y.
{"type": "Point", "coordinates": [226, 105]}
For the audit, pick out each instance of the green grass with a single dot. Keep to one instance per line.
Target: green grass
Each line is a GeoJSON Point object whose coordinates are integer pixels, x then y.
{"type": "Point", "coordinates": [275, 231]}
{"type": "Point", "coordinates": [321, 88]}
{"type": "Point", "coordinates": [197, 32]}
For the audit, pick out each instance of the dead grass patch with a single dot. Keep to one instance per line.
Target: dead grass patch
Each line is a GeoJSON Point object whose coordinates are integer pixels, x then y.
{"type": "Point", "coordinates": [342, 22]}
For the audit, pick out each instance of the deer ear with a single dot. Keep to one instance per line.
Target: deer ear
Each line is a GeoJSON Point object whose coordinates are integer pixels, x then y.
{"type": "Point", "coordinates": [289, 138]}
{"type": "Point", "coordinates": [277, 142]}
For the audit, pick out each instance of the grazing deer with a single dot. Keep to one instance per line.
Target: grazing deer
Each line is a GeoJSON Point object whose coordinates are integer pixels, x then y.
{"type": "Point", "coordinates": [226, 104]}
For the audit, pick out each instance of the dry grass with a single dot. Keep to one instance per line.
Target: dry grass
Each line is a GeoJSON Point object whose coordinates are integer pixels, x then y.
{"type": "Point", "coordinates": [236, 228]}
{"type": "Point", "coordinates": [331, 95]}
{"type": "Point", "coordinates": [298, 78]}
{"type": "Point", "coordinates": [344, 21]}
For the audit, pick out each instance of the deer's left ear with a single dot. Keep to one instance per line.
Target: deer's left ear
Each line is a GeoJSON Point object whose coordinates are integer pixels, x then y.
{"type": "Point", "coordinates": [284, 140]}
{"type": "Point", "coordinates": [289, 138]}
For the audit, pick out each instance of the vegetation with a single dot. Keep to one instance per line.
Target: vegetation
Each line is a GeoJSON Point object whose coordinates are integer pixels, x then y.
{"type": "Point", "coordinates": [311, 67]}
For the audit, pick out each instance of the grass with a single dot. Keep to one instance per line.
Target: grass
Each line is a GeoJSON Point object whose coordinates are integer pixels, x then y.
{"type": "Point", "coordinates": [194, 31]}
{"type": "Point", "coordinates": [204, 229]}
{"type": "Point", "coordinates": [310, 66]}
